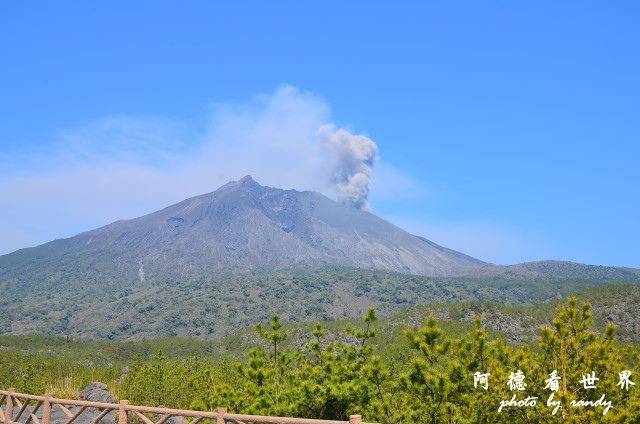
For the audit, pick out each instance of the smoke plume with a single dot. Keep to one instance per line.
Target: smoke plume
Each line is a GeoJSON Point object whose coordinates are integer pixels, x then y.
{"type": "Point", "coordinates": [122, 167]}
{"type": "Point", "coordinates": [352, 158]}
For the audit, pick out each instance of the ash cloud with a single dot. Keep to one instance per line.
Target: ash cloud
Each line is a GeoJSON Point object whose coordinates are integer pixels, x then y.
{"type": "Point", "coordinates": [121, 167]}
{"type": "Point", "coordinates": [352, 159]}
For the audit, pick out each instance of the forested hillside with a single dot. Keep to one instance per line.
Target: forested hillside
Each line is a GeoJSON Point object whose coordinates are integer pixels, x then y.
{"type": "Point", "coordinates": [210, 307]}
{"type": "Point", "coordinates": [413, 366]}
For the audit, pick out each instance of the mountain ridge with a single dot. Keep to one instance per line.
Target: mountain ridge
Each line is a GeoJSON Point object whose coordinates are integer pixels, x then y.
{"type": "Point", "coordinates": [241, 227]}
{"type": "Point", "coordinates": [557, 269]}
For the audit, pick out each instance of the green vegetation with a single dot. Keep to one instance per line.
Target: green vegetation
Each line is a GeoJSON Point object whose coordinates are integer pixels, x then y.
{"type": "Point", "coordinates": [417, 366]}
{"type": "Point", "coordinates": [210, 307]}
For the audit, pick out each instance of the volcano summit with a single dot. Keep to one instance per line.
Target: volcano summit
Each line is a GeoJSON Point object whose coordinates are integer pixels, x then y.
{"type": "Point", "coordinates": [241, 227]}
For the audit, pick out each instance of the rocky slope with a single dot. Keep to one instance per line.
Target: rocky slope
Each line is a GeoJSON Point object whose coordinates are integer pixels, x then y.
{"type": "Point", "coordinates": [241, 227]}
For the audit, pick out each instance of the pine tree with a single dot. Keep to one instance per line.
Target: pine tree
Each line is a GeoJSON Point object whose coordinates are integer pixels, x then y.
{"type": "Point", "coordinates": [432, 383]}
{"type": "Point", "coordinates": [578, 354]}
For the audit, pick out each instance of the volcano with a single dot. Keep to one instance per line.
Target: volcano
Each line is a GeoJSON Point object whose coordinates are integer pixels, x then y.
{"type": "Point", "coordinates": [241, 227]}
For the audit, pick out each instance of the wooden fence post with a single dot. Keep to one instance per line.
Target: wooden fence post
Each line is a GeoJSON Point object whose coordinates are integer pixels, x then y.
{"type": "Point", "coordinates": [355, 419]}
{"type": "Point", "coordinates": [46, 412]}
{"type": "Point", "coordinates": [220, 415]}
{"type": "Point", "coordinates": [8, 415]}
{"type": "Point", "coordinates": [122, 412]}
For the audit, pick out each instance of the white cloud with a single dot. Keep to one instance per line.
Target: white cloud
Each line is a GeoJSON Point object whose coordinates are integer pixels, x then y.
{"type": "Point", "coordinates": [123, 167]}
{"type": "Point", "coordinates": [273, 138]}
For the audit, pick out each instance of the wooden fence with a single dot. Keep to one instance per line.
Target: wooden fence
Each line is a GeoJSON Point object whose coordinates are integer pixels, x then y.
{"type": "Point", "coordinates": [15, 407]}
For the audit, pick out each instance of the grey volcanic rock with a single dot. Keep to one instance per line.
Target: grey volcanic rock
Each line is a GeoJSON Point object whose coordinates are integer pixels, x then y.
{"type": "Point", "coordinates": [94, 392]}
{"type": "Point", "coordinates": [97, 392]}
{"type": "Point", "coordinates": [240, 227]}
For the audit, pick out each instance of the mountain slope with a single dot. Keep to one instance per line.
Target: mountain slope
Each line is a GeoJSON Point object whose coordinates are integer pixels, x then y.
{"type": "Point", "coordinates": [560, 270]}
{"type": "Point", "coordinates": [241, 227]}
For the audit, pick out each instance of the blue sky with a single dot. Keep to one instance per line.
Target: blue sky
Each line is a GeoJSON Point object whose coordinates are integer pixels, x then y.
{"type": "Point", "coordinates": [506, 130]}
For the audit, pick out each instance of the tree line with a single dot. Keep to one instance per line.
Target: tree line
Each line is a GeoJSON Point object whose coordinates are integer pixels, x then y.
{"type": "Point", "coordinates": [570, 374]}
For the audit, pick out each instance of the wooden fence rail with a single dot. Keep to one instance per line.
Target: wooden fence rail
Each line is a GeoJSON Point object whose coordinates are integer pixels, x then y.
{"type": "Point", "coordinates": [39, 410]}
